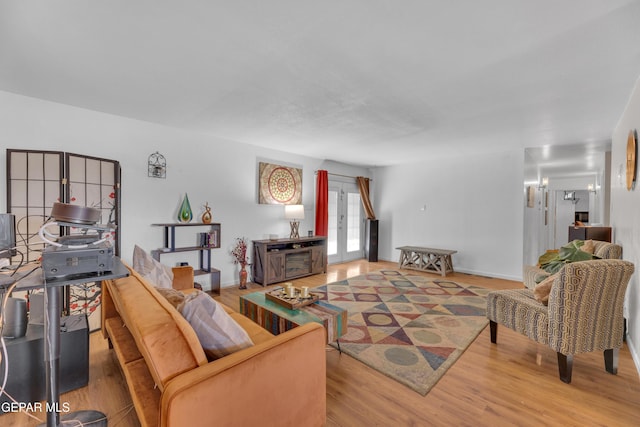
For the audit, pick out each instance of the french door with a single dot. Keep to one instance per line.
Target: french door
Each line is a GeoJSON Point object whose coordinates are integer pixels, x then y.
{"type": "Point", "coordinates": [345, 241]}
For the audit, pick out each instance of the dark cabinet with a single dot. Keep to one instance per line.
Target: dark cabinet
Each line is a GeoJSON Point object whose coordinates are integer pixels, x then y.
{"type": "Point", "coordinates": [589, 233]}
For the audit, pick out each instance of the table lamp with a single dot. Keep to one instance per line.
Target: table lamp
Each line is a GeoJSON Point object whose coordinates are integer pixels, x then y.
{"type": "Point", "coordinates": [294, 213]}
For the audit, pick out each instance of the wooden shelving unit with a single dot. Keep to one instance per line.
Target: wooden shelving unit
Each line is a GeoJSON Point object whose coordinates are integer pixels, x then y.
{"type": "Point", "coordinates": [204, 252]}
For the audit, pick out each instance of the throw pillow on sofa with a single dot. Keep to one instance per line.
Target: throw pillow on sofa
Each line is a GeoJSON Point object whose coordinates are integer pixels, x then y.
{"type": "Point", "coordinates": [218, 333]}
{"type": "Point", "coordinates": [159, 275]}
{"type": "Point", "coordinates": [174, 296]}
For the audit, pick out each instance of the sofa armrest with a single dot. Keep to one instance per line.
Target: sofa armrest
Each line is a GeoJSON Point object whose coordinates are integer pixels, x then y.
{"type": "Point", "coordinates": [282, 379]}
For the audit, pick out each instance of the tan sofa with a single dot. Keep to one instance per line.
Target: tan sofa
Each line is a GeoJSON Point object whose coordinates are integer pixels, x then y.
{"type": "Point", "coordinates": [280, 380]}
{"type": "Point", "coordinates": [532, 274]}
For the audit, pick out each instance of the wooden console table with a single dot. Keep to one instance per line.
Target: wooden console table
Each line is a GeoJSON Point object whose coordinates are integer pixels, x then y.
{"type": "Point", "coordinates": [285, 259]}
{"type": "Point", "coordinates": [426, 259]}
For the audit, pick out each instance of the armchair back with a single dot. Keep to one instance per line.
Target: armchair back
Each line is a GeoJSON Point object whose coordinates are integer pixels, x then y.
{"type": "Point", "coordinates": [585, 306]}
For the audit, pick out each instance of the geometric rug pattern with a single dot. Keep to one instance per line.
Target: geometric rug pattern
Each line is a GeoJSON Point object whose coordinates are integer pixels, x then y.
{"type": "Point", "coordinates": [409, 327]}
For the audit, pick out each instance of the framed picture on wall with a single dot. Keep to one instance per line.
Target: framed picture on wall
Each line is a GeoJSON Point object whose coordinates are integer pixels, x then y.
{"type": "Point", "coordinates": [531, 196]}
{"type": "Point", "coordinates": [279, 185]}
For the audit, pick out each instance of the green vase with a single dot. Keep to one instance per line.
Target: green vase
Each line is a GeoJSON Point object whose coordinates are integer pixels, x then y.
{"type": "Point", "coordinates": [185, 214]}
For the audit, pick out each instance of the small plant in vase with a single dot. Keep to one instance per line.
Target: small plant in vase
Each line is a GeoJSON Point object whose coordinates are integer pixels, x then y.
{"type": "Point", "coordinates": [239, 254]}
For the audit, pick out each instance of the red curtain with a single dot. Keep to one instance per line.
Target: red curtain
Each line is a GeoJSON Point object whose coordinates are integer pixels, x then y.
{"type": "Point", "coordinates": [322, 203]}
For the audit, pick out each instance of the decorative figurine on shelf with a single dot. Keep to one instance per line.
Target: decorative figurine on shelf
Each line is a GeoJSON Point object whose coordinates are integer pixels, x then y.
{"type": "Point", "coordinates": [185, 214]}
{"type": "Point", "coordinates": [206, 216]}
{"type": "Point", "coordinates": [239, 254]}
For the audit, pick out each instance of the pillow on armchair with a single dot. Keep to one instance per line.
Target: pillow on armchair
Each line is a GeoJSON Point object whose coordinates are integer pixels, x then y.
{"type": "Point", "coordinates": [543, 289]}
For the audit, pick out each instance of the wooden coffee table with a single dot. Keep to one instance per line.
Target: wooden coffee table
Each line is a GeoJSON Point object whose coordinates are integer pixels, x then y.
{"type": "Point", "coordinates": [276, 318]}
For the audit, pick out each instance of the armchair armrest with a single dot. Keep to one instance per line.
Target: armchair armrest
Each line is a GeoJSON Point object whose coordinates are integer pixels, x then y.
{"type": "Point", "coordinates": [283, 378]}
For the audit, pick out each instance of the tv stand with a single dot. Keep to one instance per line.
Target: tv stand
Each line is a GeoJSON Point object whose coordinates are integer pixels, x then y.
{"type": "Point", "coordinates": [285, 259]}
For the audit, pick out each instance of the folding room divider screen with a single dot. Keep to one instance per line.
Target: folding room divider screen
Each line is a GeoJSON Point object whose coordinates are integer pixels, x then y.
{"type": "Point", "coordinates": [38, 179]}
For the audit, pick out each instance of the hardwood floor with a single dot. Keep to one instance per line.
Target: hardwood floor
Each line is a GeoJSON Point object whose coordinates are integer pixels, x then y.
{"type": "Point", "coordinates": [512, 383]}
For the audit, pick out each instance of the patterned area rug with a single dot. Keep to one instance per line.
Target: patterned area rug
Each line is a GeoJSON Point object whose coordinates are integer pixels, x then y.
{"type": "Point", "coordinates": [409, 327]}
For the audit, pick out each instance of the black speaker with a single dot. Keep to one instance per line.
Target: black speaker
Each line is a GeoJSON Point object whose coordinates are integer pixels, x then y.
{"type": "Point", "coordinates": [371, 246]}
{"type": "Point", "coordinates": [15, 318]}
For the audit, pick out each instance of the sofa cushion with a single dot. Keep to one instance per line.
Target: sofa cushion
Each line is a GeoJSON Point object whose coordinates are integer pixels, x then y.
{"type": "Point", "coordinates": [218, 333]}
{"type": "Point", "coordinates": [159, 275]}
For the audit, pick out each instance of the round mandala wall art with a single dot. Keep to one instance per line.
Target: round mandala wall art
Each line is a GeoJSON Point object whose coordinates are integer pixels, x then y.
{"type": "Point", "coordinates": [279, 184]}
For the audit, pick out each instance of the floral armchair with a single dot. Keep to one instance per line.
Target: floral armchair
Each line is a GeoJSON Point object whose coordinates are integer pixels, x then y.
{"type": "Point", "coordinates": [584, 312]}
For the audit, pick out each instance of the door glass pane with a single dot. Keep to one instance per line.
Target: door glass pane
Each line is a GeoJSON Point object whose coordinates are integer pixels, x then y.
{"type": "Point", "coordinates": [353, 222]}
{"type": "Point", "coordinates": [332, 238]}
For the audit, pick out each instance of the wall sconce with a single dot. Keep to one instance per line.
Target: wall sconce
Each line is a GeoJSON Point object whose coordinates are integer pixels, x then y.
{"type": "Point", "coordinates": [157, 166]}
{"type": "Point", "coordinates": [295, 213]}
{"type": "Point", "coordinates": [544, 183]}
{"type": "Point", "coordinates": [591, 188]}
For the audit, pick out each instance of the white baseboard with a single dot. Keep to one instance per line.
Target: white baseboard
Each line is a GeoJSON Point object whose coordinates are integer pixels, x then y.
{"type": "Point", "coordinates": [477, 273]}
{"type": "Point", "coordinates": [490, 275]}
{"type": "Point", "coordinates": [634, 353]}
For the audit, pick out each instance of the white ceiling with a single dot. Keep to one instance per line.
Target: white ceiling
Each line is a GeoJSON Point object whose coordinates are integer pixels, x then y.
{"type": "Point", "coordinates": [371, 82]}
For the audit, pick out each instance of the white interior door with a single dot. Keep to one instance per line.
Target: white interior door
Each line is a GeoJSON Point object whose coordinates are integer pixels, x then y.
{"type": "Point", "coordinates": [565, 214]}
{"type": "Point", "coordinates": [346, 223]}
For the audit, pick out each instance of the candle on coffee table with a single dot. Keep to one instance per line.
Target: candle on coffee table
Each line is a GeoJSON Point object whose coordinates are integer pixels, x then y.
{"type": "Point", "coordinates": [291, 292]}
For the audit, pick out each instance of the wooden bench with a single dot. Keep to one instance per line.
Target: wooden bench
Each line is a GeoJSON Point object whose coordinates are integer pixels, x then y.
{"type": "Point", "coordinates": [426, 259]}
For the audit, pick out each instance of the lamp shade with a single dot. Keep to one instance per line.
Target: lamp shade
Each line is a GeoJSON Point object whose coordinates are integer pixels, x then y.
{"type": "Point", "coordinates": [294, 211]}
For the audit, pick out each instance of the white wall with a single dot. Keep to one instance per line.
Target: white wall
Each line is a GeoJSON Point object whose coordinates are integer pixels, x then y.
{"type": "Point", "coordinates": [624, 215]}
{"type": "Point", "coordinates": [212, 170]}
{"type": "Point", "coordinates": [471, 204]}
